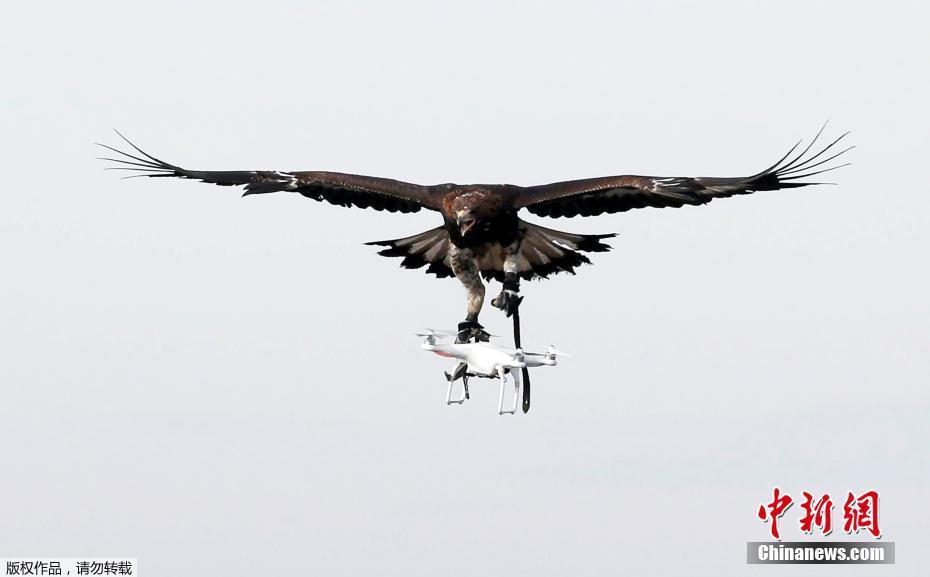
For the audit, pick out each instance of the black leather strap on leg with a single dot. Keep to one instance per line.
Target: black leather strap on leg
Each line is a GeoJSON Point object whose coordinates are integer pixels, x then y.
{"type": "Point", "coordinates": [511, 282]}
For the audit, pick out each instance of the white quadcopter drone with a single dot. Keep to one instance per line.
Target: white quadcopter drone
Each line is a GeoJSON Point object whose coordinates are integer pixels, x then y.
{"type": "Point", "coordinates": [483, 359]}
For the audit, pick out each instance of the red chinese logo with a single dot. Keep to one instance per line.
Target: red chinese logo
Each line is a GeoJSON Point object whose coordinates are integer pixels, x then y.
{"type": "Point", "coordinates": [774, 510]}
{"type": "Point", "coordinates": [819, 514]}
{"type": "Point", "coordinates": [861, 513]}
{"type": "Point", "coordinates": [858, 512]}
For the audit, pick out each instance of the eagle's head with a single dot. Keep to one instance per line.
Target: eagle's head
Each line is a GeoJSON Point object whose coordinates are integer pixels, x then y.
{"type": "Point", "coordinates": [472, 207]}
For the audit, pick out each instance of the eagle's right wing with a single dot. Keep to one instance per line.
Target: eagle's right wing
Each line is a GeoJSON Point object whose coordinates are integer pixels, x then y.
{"type": "Point", "coordinates": [333, 187]}
{"type": "Point", "coordinates": [611, 194]}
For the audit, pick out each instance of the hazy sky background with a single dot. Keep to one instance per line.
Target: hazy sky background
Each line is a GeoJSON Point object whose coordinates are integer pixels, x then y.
{"type": "Point", "coordinates": [219, 385]}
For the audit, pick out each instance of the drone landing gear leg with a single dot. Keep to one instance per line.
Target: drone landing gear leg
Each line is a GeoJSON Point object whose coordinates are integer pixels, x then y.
{"type": "Point", "coordinates": [517, 385]}
{"type": "Point", "coordinates": [458, 372]}
{"type": "Point", "coordinates": [502, 373]}
{"type": "Point", "coordinates": [449, 399]}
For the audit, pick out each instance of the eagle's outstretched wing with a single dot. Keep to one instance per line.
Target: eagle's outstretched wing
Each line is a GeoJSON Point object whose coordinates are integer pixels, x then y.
{"type": "Point", "coordinates": [610, 194]}
{"type": "Point", "coordinates": [333, 187]}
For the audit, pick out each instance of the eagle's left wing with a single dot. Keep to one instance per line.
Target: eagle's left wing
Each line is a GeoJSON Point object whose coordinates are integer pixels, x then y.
{"type": "Point", "coordinates": [611, 194]}
{"type": "Point", "coordinates": [333, 187]}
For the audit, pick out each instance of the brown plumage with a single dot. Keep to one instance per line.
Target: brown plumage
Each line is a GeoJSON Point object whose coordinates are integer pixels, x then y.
{"type": "Point", "coordinates": [481, 231]}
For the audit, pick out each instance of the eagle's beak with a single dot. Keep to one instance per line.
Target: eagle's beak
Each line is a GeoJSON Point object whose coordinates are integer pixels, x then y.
{"type": "Point", "coordinates": [466, 223]}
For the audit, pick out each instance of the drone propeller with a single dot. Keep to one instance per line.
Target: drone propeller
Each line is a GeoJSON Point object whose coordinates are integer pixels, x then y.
{"type": "Point", "coordinates": [437, 333]}
{"type": "Point", "coordinates": [551, 351]}
{"type": "Point", "coordinates": [443, 333]}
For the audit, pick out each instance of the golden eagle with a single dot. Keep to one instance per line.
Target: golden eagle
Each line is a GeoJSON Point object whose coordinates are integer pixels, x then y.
{"type": "Point", "coordinates": [482, 233]}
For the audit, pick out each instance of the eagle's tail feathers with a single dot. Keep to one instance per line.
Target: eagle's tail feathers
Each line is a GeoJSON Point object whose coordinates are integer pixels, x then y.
{"type": "Point", "coordinates": [427, 249]}
{"type": "Point", "coordinates": [543, 252]}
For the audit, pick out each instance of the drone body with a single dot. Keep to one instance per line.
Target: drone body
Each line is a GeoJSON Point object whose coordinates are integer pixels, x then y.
{"type": "Point", "coordinates": [483, 359]}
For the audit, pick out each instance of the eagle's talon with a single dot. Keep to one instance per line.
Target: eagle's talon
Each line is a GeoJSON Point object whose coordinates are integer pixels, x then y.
{"type": "Point", "coordinates": [471, 331]}
{"type": "Point", "coordinates": [508, 301]}
{"type": "Point", "coordinates": [472, 335]}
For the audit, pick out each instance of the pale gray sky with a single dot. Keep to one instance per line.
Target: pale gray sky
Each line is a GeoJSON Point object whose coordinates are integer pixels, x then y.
{"type": "Point", "coordinates": [219, 385]}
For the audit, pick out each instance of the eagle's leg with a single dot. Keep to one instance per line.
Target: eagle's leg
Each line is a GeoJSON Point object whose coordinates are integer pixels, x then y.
{"type": "Point", "coordinates": [509, 299]}
{"type": "Point", "coordinates": [466, 270]}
